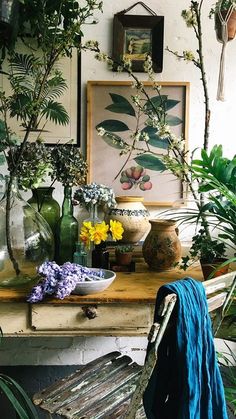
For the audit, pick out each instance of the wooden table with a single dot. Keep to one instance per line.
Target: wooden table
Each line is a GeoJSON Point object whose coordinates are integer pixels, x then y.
{"type": "Point", "coordinates": [124, 309]}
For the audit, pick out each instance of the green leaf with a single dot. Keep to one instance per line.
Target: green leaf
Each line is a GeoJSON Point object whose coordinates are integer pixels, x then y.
{"type": "Point", "coordinates": [56, 113]}
{"type": "Point", "coordinates": [120, 105]}
{"type": "Point", "coordinates": [113, 125]}
{"type": "Point", "coordinates": [18, 397]}
{"type": "Point", "coordinates": [113, 140]}
{"type": "Point", "coordinates": [150, 162]}
{"type": "Point", "coordinates": [154, 139]}
{"type": "Point", "coordinates": [23, 63]}
{"type": "Point", "coordinates": [173, 120]}
{"type": "Point", "coordinates": [19, 106]}
{"type": "Point", "coordinates": [156, 101]}
{"type": "Point", "coordinates": [2, 159]}
{"type": "Point", "coordinates": [170, 103]}
{"type": "Point", "coordinates": [11, 397]}
{"type": "Point", "coordinates": [159, 142]}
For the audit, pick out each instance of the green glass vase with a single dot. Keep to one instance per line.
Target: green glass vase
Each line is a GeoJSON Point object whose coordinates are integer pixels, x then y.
{"type": "Point", "coordinates": [66, 230]}
{"type": "Point", "coordinates": [43, 202]}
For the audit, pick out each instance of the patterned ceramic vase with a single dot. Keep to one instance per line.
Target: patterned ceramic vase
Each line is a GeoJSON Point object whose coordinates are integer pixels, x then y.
{"type": "Point", "coordinates": [134, 217]}
{"type": "Point", "coordinates": [162, 248]}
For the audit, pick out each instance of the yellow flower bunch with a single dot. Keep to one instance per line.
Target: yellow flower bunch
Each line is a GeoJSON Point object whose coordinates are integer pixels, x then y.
{"type": "Point", "coordinates": [99, 232]}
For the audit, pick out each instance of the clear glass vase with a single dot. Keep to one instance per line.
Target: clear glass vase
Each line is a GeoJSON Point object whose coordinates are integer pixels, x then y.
{"type": "Point", "coordinates": [93, 214]}
{"type": "Point", "coordinates": [26, 239]}
{"type": "Point", "coordinates": [94, 219]}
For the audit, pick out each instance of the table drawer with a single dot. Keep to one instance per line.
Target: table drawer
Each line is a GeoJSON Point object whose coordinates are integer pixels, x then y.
{"type": "Point", "coordinates": [74, 317]}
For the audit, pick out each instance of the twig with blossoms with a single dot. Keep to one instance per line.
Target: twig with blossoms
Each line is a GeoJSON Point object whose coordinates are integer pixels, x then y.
{"type": "Point", "coordinates": [192, 18]}
{"type": "Point", "coordinates": [60, 281]}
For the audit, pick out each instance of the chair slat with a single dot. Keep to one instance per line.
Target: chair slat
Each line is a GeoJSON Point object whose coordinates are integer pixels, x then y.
{"type": "Point", "coordinates": [219, 283]}
{"type": "Point", "coordinates": [88, 385]}
{"type": "Point", "coordinates": [83, 371]}
{"type": "Point", "coordinates": [111, 393]}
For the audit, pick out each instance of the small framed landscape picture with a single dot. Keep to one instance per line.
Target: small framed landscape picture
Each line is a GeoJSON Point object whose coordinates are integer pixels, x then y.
{"type": "Point", "coordinates": [136, 36]}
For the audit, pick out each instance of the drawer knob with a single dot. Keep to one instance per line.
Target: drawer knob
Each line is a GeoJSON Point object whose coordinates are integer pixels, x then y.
{"type": "Point", "coordinates": [90, 312]}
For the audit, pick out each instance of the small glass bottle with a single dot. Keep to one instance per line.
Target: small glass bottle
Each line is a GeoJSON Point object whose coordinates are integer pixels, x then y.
{"type": "Point", "coordinates": [66, 230]}
{"type": "Point", "coordinates": [80, 255]}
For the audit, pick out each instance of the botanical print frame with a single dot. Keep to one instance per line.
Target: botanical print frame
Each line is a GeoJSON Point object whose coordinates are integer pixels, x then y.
{"type": "Point", "coordinates": [54, 133]}
{"type": "Point", "coordinates": [107, 166]}
{"type": "Point", "coordinates": [135, 36]}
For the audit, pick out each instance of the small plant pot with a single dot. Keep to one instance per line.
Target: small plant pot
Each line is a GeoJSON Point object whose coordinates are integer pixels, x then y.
{"type": "Point", "coordinates": [208, 268]}
{"type": "Point", "coordinates": [124, 258]}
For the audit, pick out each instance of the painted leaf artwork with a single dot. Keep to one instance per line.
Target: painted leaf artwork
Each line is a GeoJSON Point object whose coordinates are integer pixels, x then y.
{"type": "Point", "coordinates": [125, 151]}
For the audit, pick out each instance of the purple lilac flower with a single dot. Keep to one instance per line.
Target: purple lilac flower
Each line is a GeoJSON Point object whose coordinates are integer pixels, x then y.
{"type": "Point", "coordinates": [37, 294]}
{"type": "Point", "coordinates": [59, 280]}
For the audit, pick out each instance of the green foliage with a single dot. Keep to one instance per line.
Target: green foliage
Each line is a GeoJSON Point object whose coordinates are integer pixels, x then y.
{"type": "Point", "coordinates": [18, 398]}
{"type": "Point", "coordinates": [126, 248]}
{"type": "Point", "coordinates": [34, 91]}
{"type": "Point", "coordinates": [49, 30]}
{"type": "Point", "coordinates": [68, 165]}
{"type": "Point", "coordinates": [204, 248]}
{"type": "Point", "coordinates": [148, 119]}
{"type": "Point", "coordinates": [218, 182]}
{"type": "Point", "coordinates": [34, 163]}
{"type": "Point", "coordinates": [54, 25]}
{"type": "Point", "coordinates": [120, 105]}
{"type": "Point", "coordinates": [221, 5]}
{"type": "Point", "coordinates": [150, 162]}
{"type": "Point", "coordinates": [113, 125]}
{"type": "Point", "coordinates": [227, 361]}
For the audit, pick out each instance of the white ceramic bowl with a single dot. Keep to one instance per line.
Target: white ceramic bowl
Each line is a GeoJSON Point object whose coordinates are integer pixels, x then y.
{"type": "Point", "coordinates": [92, 287]}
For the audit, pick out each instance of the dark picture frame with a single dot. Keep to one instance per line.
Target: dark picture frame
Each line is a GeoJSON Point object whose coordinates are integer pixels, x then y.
{"type": "Point", "coordinates": [134, 36]}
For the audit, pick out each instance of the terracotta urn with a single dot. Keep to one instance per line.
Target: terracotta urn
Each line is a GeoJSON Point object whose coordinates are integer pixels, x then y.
{"type": "Point", "coordinates": [162, 247]}
{"type": "Point", "coordinates": [133, 215]}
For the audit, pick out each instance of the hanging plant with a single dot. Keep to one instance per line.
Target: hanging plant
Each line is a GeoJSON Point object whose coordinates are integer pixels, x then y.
{"type": "Point", "coordinates": [224, 13]}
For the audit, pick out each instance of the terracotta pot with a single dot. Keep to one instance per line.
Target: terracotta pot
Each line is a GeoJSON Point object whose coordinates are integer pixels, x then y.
{"type": "Point", "coordinates": [162, 248]}
{"type": "Point", "coordinates": [133, 215]}
{"type": "Point", "coordinates": [124, 258]}
{"type": "Point", "coordinates": [231, 25]}
{"type": "Point", "coordinates": [208, 268]}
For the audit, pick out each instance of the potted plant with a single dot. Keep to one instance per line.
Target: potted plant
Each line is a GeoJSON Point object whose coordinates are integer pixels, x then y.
{"type": "Point", "coordinates": [224, 9]}
{"type": "Point", "coordinates": [124, 254]}
{"type": "Point", "coordinates": [216, 182]}
{"type": "Point", "coordinates": [209, 251]}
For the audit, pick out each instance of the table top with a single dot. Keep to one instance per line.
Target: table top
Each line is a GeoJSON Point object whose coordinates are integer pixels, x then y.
{"type": "Point", "coordinates": [128, 287]}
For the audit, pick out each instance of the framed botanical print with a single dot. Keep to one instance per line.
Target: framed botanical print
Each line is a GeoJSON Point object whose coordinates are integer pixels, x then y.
{"type": "Point", "coordinates": [118, 159]}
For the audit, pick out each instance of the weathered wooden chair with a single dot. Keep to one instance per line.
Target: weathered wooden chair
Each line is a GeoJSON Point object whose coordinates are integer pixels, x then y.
{"type": "Point", "coordinates": [112, 386]}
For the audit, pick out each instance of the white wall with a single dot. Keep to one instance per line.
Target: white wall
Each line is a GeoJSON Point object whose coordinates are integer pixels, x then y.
{"type": "Point", "coordinates": [177, 37]}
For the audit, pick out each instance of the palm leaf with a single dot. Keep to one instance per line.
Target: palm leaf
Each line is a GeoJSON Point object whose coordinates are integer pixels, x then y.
{"type": "Point", "coordinates": [54, 88]}
{"type": "Point", "coordinates": [55, 112]}
{"type": "Point", "coordinates": [22, 64]}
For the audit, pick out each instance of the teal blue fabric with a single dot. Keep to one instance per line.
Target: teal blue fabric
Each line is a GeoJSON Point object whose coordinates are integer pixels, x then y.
{"type": "Point", "coordinates": [186, 382]}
